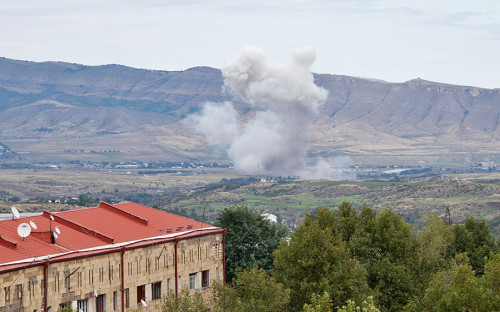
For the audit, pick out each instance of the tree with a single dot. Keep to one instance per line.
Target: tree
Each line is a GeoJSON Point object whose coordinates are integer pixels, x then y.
{"type": "Point", "coordinates": [475, 239]}
{"type": "Point", "coordinates": [316, 260]}
{"type": "Point", "coordinates": [184, 302]}
{"type": "Point", "coordinates": [252, 290]}
{"type": "Point", "coordinates": [455, 289]}
{"type": "Point", "coordinates": [366, 306]}
{"type": "Point", "coordinates": [250, 239]}
{"type": "Point", "coordinates": [319, 304]}
{"type": "Point", "coordinates": [66, 308]}
{"type": "Point", "coordinates": [382, 245]}
{"type": "Point", "coordinates": [386, 246]}
{"type": "Point", "coordinates": [435, 247]}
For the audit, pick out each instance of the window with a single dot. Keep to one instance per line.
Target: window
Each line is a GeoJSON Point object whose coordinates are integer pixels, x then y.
{"type": "Point", "coordinates": [101, 303]}
{"type": "Point", "coordinates": [141, 293]}
{"type": "Point", "coordinates": [180, 283]}
{"type": "Point", "coordinates": [64, 306]}
{"type": "Point", "coordinates": [115, 300]}
{"type": "Point", "coordinates": [192, 281]}
{"type": "Point", "coordinates": [169, 286]}
{"type": "Point", "coordinates": [18, 292]}
{"type": "Point", "coordinates": [156, 290]}
{"type": "Point", "coordinates": [127, 300]}
{"type": "Point", "coordinates": [82, 305]}
{"type": "Point", "coordinates": [217, 274]}
{"type": "Point", "coordinates": [6, 291]}
{"type": "Point", "coordinates": [205, 278]}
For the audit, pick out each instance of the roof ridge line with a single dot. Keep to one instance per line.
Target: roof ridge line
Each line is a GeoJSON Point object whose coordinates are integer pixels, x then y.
{"type": "Point", "coordinates": [80, 228]}
{"type": "Point", "coordinates": [129, 215]}
{"type": "Point", "coordinates": [7, 242]}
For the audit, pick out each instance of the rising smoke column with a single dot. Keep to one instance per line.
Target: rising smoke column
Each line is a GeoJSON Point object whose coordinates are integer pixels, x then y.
{"type": "Point", "coordinates": [286, 100]}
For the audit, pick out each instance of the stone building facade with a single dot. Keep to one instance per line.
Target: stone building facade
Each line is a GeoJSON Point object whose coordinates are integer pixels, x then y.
{"type": "Point", "coordinates": [119, 257]}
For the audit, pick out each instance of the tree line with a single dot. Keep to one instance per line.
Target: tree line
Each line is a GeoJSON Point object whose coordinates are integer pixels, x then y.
{"type": "Point", "coordinates": [354, 259]}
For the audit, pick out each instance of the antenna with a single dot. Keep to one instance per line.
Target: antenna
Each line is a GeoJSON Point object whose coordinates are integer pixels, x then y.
{"type": "Point", "coordinates": [143, 302]}
{"type": "Point", "coordinates": [447, 216]}
{"type": "Point", "coordinates": [57, 230]}
{"type": "Point", "coordinates": [24, 230]}
{"type": "Point", "coordinates": [15, 212]}
{"type": "Point", "coordinates": [33, 225]}
{"type": "Point", "coordinates": [51, 218]}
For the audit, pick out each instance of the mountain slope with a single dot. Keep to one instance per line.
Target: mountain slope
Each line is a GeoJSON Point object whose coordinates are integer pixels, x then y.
{"type": "Point", "coordinates": [116, 106]}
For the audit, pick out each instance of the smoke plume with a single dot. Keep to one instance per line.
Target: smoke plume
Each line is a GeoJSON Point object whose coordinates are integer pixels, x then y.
{"type": "Point", "coordinates": [286, 102]}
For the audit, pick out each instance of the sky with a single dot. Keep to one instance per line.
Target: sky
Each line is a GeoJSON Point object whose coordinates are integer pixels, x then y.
{"type": "Point", "coordinates": [449, 41]}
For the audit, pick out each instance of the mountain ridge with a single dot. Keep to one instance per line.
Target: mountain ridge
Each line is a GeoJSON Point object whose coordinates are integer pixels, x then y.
{"type": "Point", "coordinates": [360, 115]}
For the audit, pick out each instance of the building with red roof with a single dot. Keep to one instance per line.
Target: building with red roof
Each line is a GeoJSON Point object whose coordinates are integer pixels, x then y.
{"type": "Point", "coordinates": [114, 257]}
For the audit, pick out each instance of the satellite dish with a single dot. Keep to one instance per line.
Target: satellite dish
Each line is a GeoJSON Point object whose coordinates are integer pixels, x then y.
{"type": "Point", "coordinates": [95, 292]}
{"type": "Point", "coordinates": [23, 230]}
{"type": "Point", "coordinates": [51, 218]}
{"type": "Point", "coordinates": [55, 235]}
{"type": "Point", "coordinates": [33, 225]}
{"type": "Point", "coordinates": [144, 302]}
{"type": "Point", "coordinates": [57, 230]}
{"type": "Point", "coordinates": [15, 212]}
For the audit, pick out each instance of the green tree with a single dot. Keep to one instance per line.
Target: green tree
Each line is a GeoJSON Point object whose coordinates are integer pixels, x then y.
{"type": "Point", "coordinates": [66, 308]}
{"type": "Point", "coordinates": [252, 290]}
{"type": "Point", "coordinates": [387, 248]}
{"type": "Point", "coordinates": [184, 302]}
{"type": "Point", "coordinates": [455, 289]}
{"type": "Point", "coordinates": [475, 239]}
{"type": "Point", "coordinates": [366, 306]}
{"type": "Point", "coordinates": [250, 239]}
{"type": "Point", "coordinates": [316, 260]}
{"type": "Point", "coordinates": [435, 248]}
{"type": "Point", "coordinates": [343, 251]}
{"type": "Point", "coordinates": [319, 304]}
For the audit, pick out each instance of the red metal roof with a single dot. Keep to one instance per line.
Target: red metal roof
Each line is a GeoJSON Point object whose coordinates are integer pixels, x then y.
{"type": "Point", "coordinates": [84, 228]}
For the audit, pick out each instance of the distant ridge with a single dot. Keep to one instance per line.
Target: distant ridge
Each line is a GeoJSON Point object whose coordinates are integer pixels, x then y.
{"type": "Point", "coordinates": [117, 107]}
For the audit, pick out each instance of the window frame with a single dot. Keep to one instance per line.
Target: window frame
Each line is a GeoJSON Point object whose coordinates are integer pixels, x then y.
{"type": "Point", "coordinates": [141, 293]}
{"type": "Point", "coordinates": [127, 298]}
{"type": "Point", "coordinates": [156, 290]}
{"type": "Point", "coordinates": [192, 281]}
{"type": "Point", "coordinates": [205, 279]}
{"type": "Point", "coordinates": [102, 300]}
{"type": "Point", "coordinates": [82, 305]}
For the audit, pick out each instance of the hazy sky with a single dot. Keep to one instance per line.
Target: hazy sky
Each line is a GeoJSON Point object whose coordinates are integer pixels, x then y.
{"type": "Point", "coordinates": [452, 41]}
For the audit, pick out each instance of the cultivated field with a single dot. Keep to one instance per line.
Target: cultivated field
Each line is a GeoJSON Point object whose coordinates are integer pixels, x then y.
{"type": "Point", "coordinates": [201, 194]}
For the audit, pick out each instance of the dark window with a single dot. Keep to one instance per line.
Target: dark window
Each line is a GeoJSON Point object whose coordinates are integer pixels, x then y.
{"type": "Point", "coordinates": [101, 303]}
{"type": "Point", "coordinates": [156, 290]}
{"type": "Point", "coordinates": [205, 278]}
{"type": "Point", "coordinates": [115, 300]}
{"type": "Point", "coordinates": [141, 293]}
{"type": "Point", "coordinates": [127, 300]}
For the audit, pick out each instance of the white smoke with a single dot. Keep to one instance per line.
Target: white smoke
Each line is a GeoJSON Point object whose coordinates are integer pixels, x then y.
{"type": "Point", "coordinates": [217, 122]}
{"type": "Point", "coordinates": [286, 99]}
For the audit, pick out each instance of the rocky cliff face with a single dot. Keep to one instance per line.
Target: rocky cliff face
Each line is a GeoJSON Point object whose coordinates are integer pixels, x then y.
{"type": "Point", "coordinates": [112, 104]}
